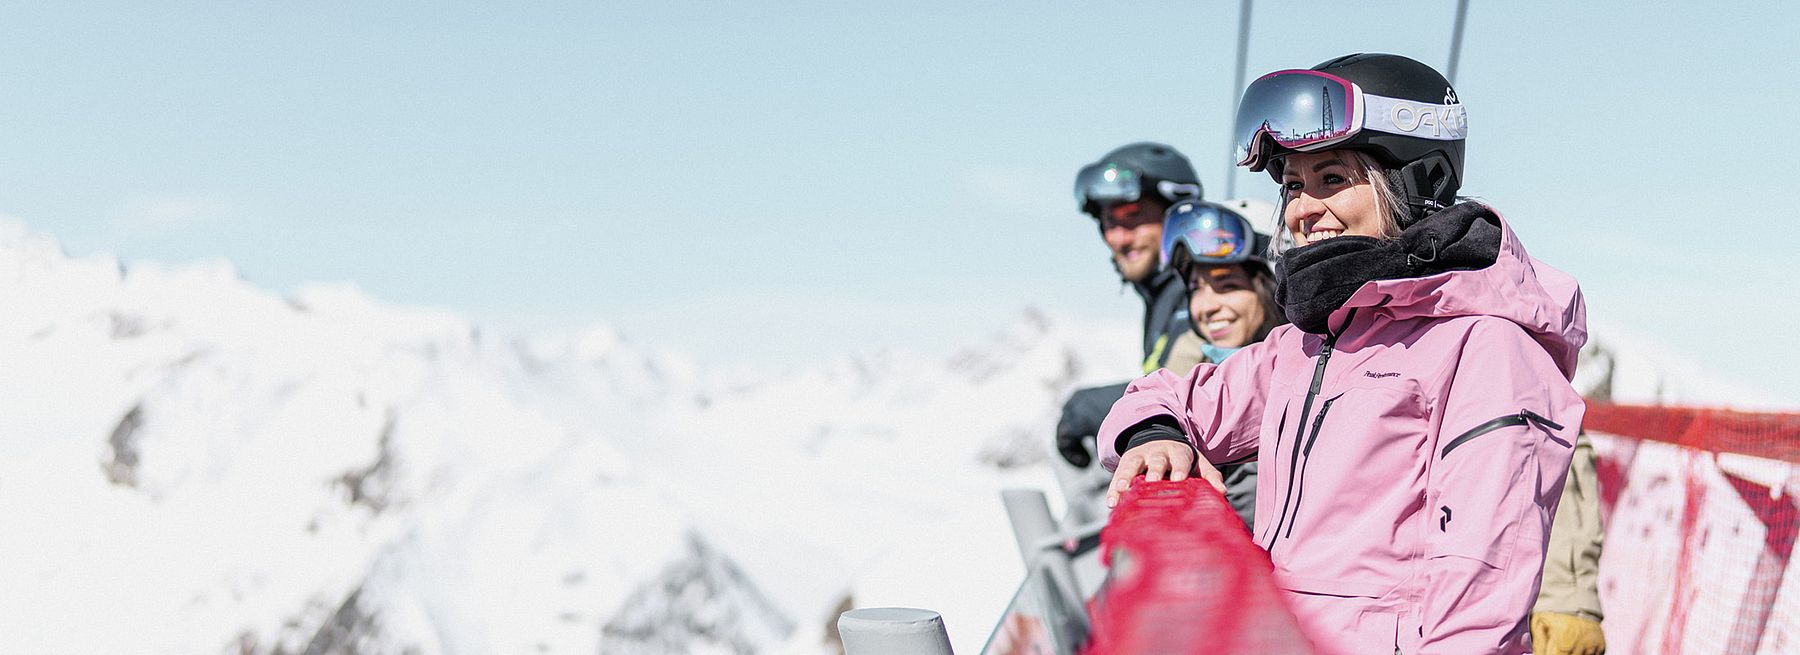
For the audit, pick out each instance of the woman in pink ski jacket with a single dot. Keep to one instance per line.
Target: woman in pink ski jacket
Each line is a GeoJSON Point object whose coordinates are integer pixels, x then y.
{"type": "Point", "coordinates": [1415, 422]}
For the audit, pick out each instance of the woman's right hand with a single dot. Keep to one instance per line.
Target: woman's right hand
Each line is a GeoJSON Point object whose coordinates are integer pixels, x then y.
{"type": "Point", "coordinates": [1156, 460]}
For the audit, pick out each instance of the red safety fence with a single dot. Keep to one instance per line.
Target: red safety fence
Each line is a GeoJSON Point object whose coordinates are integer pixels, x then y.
{"type": "Point", "coordinates": [1185, 578]}
{"type": "Point", "coordinates": [1701, 521]}
{"type": "Point", "coordinates": [1766, 435]}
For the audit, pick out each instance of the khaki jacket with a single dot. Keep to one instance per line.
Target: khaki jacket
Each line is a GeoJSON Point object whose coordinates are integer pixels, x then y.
{"type": "Point", "coordinates": [1572, 563]}
{"type": "Point", "coordinates": [1185, 353]}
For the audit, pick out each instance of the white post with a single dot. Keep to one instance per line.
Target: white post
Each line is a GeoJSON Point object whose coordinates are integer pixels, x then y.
{"type": "Point", "coordinates": [893, 631]}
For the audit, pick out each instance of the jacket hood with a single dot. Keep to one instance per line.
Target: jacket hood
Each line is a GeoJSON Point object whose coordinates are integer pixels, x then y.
{"type": "Point", "coordinates": [1544, 301]}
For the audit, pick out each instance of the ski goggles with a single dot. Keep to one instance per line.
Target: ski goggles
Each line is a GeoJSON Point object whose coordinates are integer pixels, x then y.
{"type": "Point", "coordinates": [1307, 111]}
{"type": "Point", "coordinates": [1210, 234]}
{"type": "Point", "coordinates": [1107, 183]}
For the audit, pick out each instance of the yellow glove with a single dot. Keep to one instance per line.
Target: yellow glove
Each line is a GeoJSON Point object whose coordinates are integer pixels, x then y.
{"type": "Point", "coordinates": [1555, 633]}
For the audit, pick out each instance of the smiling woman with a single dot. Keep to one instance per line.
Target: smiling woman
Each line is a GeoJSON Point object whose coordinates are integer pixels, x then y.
{"type": "Point", "coordinates": [1325, 194]}
{"type": "Point", "coordinates": [1224, 263]}
{"type": "Point", "coordinates": [1422, 391]}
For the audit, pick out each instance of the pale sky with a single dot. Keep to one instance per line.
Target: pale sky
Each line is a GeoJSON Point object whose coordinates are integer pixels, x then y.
{"type": "Point", "coordinates": [786, 181]}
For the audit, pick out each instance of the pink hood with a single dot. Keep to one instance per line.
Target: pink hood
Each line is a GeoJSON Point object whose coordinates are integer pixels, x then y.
{"type": "Point", "coordinates": [1543, 300]}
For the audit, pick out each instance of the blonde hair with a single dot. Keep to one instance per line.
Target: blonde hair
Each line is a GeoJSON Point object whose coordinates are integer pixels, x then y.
{"type": "Point", "coordinates": [1364, 169]}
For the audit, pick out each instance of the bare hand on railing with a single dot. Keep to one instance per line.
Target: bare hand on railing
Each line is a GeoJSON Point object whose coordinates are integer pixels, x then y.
{"type": "Point", "coordinates": [1157, 460]}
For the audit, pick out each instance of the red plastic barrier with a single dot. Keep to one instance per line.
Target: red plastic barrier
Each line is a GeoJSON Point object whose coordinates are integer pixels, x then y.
{"type": "Point", "coordinates": [1701, 523]}
{"type": "Point", "coordinates": [1767, 435]}
{"type": "Point", "coordinates": [1185, 578]}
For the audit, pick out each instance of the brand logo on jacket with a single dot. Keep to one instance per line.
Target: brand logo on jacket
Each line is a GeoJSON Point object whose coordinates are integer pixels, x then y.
{"type": "Point", "coordinates": [1444, 523]}
{"type": "Point", "coordinates": [1373, 374]}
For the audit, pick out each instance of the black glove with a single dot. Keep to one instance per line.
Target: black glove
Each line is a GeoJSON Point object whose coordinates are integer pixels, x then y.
{"type": "Point", "coordinates": [1081, 417]}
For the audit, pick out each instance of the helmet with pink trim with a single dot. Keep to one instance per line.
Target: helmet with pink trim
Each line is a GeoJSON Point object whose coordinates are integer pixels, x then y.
{"type": "Point", "coordinates": [1401, 112]}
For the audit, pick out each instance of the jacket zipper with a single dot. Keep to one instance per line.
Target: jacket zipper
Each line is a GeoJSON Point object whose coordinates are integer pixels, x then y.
{"type": "Point", "coordinates": [1318, 380]}
{"type": "Point", "coordinates": [1300, 493]}
{"type": "Point", "coordinates": [1274, 471]}
{"type": "Point", "coordinates": [1524, 416]}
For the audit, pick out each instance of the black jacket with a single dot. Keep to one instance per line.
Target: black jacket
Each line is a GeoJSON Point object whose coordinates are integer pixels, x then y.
{"type": "Point", "coordinates": [1165, 316]}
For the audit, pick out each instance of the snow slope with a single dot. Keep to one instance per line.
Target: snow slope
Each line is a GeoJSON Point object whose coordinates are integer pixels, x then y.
{"type": "Point", "coordinates": [189, 464]}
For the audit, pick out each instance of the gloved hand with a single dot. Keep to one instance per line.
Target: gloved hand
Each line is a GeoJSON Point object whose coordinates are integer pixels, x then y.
{"type": "Point", "coordinates": [1073, 448]}
{"type": "Point", "coordinates": [1556, 633]}
{"type": "Point", "coordinates": [1081, 417]}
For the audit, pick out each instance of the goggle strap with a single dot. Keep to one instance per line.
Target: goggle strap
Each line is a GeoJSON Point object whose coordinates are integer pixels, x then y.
{"type": "Point", "coordinates": [1177, 191]}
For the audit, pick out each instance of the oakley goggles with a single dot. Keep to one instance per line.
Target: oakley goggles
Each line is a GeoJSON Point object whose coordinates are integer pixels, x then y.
{"type": "Point", "coordinates": [1209, 234]}
{"type": "Point", "coordinates": [1107, 183]}
{"type": "Point", "coordinates": [1308, 111]}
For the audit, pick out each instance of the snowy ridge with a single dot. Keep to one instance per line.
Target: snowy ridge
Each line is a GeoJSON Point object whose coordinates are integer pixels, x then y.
{"type": "Point", "coordinates": [191, 464]}
{"type": "Point", "coordinates": [194, 465]}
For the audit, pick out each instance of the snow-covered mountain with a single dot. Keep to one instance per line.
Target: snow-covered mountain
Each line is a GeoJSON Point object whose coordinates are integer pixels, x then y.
{"type": "Point", "coordinates": [192, 464]}
{"type": "Point", "coordinates": [189, 464]}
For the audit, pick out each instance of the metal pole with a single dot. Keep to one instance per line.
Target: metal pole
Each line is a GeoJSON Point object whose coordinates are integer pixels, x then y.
{"type": "Point", "coordinates": [1035, 531]}
{"type": "Point", "coordinates": [1462, 12]}
{"type": "Point", "coordinates": [1237, 87]}
{"type": "Point", "coordinates": [1031, 520]}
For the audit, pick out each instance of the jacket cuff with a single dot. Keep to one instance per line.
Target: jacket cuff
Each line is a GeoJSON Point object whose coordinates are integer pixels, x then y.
{"type": "Point", "coordinates": [1155, 428]}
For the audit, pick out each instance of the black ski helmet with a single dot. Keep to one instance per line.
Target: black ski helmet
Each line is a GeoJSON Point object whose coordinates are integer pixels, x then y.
{"type": "Point", "coordinates": [1425, 173]}
{"type": "Point", "coordinates": [1161, 168]}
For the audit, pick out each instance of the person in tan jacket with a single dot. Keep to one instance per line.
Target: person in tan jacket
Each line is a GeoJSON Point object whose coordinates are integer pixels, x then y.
{"type": "Point", "coordinates": [1566, 618]}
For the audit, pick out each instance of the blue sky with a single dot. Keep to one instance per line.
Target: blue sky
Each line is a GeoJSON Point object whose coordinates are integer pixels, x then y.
{"type": "Point", "coordinates": [790, 180]}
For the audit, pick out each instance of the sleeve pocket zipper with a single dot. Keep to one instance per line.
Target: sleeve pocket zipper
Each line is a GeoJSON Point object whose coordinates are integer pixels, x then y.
{"type": "Point", "coordinates": [1523, 417]}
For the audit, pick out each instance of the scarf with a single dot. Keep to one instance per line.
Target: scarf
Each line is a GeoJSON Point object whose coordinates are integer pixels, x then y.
{"type": "Point", "coordinates": [1316, 279]}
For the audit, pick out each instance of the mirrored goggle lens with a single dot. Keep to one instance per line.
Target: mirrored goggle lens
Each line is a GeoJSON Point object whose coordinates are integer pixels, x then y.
{"type": "Point", "coordinates": [1106, 183]}
{"type": "Point", "coordinates": [1207, 233]}
{"type": "Point", "coordinates": [1295, 108]}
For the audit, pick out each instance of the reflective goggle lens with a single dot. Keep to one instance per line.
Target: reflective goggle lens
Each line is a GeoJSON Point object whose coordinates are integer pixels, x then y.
{"type": "Point", "coordinates": [1296, 108]}
{"type": "Point", "coordinates": [1106, 183]}
{"type": "Point", "coordinates": [1209, 234]}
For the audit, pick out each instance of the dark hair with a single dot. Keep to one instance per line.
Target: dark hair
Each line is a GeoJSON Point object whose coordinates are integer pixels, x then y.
{"type": "Point", "coordinates": [1263, 281]}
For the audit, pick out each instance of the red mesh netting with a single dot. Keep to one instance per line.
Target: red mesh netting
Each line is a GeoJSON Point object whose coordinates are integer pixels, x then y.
{"type": "Point", "coordinates": [1185, 578]}
{"type": "Point", "coordinates": [1701, 522]}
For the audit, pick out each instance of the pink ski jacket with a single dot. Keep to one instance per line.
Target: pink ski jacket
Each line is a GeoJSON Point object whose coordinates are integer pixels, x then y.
{"type": "Point", "coordinates": [1411, 463]}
